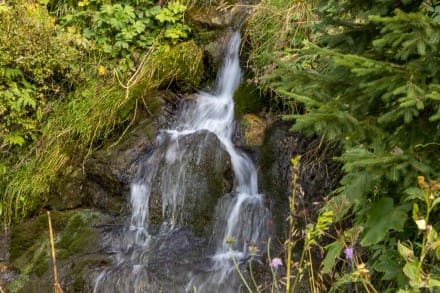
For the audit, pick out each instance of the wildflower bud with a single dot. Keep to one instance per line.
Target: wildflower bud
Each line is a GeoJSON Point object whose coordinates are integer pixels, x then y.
{"type": "Point", "coordinates": [276, 263]}
{"type": "Point", "coordinates": [421, 224]}
{"type": "Point", "coordinates": [101, 70]}
{"type": "Point", "coordinates": [421, 180]}
{"type": "Point", "coordinates": [349, 253]}
{"type": "Point", "coordinates": [253, 249]}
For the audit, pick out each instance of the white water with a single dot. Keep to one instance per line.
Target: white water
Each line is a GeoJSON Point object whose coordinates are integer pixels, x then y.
{"type": "Point", "coordinates": [240, 216]}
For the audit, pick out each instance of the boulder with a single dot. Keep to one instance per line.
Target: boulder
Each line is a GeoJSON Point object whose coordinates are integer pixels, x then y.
{"type": "Point", "coordinates": [318, 174]}
{"type": "Point", "coordinates": [193, 172]}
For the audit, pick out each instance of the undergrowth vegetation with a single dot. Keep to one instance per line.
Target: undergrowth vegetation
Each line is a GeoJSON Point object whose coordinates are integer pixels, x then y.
{"type": "Point", "coordinates": [78, 72]}
{"type": "Point", "coordinates": [364, 74]}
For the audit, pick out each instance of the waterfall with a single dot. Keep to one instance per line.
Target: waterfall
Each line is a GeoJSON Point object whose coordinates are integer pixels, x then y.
{"type": "Point", "coordinates": [240, 215]}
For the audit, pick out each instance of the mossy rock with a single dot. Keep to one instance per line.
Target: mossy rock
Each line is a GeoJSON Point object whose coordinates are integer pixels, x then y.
{"type": "Point", "coordinates": [254, 128]}
{"type": "Point", "coordinates": [78, 251]}
{"type": "Point", "coordinates": [183, 64]}
{"type": "Point", "coordinates": [27, 234]}
{"type": "Point", "coordinates": [249, 99]}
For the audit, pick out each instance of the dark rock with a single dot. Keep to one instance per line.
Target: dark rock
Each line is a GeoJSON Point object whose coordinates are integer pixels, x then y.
{"type": "Point", "coordinates": [173, 253]}
{"type": "Point", "coordinates": [318, 174]}
{"type": "Point", "coordinates": [6, 274]}
{"type": "Point", "coordinates": [103, 180]}
{"type": "Point", "coordinates": [197, 177]}
{"type": "Point", "coordinates": [114, 167]}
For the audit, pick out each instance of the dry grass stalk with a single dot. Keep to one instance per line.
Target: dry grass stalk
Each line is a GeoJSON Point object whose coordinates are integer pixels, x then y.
{"type": "Point", "coordinates": [56, 286]}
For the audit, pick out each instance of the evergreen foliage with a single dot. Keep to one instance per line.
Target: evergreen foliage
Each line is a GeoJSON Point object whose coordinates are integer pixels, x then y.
{"type": "Point", "coordinates": [368, 78]}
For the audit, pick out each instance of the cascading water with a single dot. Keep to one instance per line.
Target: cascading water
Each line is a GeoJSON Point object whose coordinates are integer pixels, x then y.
{"type": "Point", "coordinates": [239, 215]}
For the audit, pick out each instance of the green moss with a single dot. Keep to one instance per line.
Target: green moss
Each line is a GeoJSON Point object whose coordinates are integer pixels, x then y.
{"type": "Point", "coordinates": [249, 99]}
{"type": "Point", "coordinates": [76, 235]}
{"type": "Point", "coordinates": [34, 261]}
{"type": "Point", "coordinates": [183, 64]}
{"type": "Point", "coordinates": [25, 235]}
{"type": "Point", "coordinates": [30, 249]}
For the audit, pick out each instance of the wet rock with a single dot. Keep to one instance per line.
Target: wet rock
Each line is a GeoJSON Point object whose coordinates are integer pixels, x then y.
{"type": "Point", "coordinates": [103, 180]}
{"type": "Point", "coordinates": [6, 274]}
{"type": "Point", "coordinates": [192, 178]}
{"type": "Point", "coordinates": [113, 167]}
{"type": "Point", "coordinates": [213, 24]}
{"type": "Point", "coordinates": [172, 255]}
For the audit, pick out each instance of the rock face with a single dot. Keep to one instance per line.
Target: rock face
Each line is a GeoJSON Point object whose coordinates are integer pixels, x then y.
{"type": "Point", "coordinates": [103, 180]}
{"type": "Point", "coordinates": [193, 173]}
{"type": "Point", "coordinates": [317, 174]}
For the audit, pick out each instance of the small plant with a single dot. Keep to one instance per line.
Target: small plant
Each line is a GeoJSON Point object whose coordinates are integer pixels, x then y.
{"type": "Point", "coordinates": [413, 261]}
{"type": "Point", "coordinates": [294, 271]}
{"type": "Point", "coordinates": [422, 254]}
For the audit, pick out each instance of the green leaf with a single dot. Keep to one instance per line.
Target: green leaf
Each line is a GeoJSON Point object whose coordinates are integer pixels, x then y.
{"type": "Point", "coordinates": [176, 7]}
{"type": "Point", "coordinates": [433, 283]}
{"type": "Point", "coordinates": [435, 202]}
{"type": "Point", "coordinates": [139, 26]}
{"type": "Point", "coordinates": [414, 193]}
{"type": "Point", "coordinates": [389, 265]}
{"type": "Point", "coordinates": [406, 252]}
{"type": "Point", "coordinates": [14, 139]}
{"type": "Point", "coordinates": [432, 237]}
{"type": "Point", "coordinates": [129, 12]}
{"type": "Point", "coordinates": [421, 47]}
{"type": "Point", "coordinates": [382, 217]}
{"type": "Point", "coordinates": [334, 250]}
{"type": "Point", "coordinates": [410, 270]}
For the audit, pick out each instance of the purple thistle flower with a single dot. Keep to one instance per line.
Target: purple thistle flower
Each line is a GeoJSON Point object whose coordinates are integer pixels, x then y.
{"type": "Point", "coordinates": [276, 263]}
{"type": "Point", "coordinates": [349, 253]}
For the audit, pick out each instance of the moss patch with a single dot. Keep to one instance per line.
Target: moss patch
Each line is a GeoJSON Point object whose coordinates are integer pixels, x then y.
{"type": "Point", "coordinates": [249, 99]}
{"type": "Point", "coordinates": [25, 235]}
{"type": "Point", "coordinates": [75, 242]}
{"type": "Point", "coordinates": [254, 128]}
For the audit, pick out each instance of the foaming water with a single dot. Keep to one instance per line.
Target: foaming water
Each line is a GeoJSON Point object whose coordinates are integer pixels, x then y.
{"type": "Point", "coordinates": [239, 216]}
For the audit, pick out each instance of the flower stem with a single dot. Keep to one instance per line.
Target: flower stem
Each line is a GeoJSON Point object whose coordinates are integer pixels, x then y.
{"type": "Point", "coordinates": [239, 272]}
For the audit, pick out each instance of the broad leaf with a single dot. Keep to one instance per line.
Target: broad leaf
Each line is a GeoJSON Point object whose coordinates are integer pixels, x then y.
{"type": "Point", "coordinates": [333, 251]}
{"type": "Point", "coordinates": [382, 217]}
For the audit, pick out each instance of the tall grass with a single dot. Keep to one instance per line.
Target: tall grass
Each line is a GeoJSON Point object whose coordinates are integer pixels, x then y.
{"type": "Point", "coordinates": [275, 30]}
{"type": "Point", "coordinates": [91, 114]}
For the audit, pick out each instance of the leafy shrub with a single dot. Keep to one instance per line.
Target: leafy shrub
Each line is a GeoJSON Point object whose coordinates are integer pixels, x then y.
{"type": "Point", "coordinates": [125, 29]}
{"type": "Point", "coordinates": [33, 61]}
{"type": "Point", "coordinates": [60, 92]}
